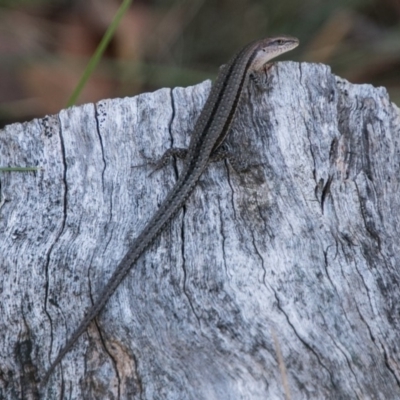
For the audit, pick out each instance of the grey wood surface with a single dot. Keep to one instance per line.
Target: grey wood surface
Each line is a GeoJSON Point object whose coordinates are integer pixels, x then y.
{"type": "Point", "coordinates": [283, 281]}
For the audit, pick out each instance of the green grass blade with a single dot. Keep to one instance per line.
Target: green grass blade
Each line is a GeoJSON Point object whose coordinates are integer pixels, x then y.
{"type": "Point", "coordinates": [19, 169]}
{"type": "Point", "coordinates": [99, 52]}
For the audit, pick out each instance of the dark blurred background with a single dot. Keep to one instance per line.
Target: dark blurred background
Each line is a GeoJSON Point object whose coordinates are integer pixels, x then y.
{"type": "Point", "coordinates": [45, 45]}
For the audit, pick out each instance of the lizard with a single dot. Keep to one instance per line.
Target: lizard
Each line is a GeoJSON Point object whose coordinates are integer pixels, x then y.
{"type": "Point", "coordinates": [210, 131]}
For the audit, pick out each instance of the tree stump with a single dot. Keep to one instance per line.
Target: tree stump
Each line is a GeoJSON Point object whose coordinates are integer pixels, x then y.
{"type": "Point", "coordinates": [282, 282]}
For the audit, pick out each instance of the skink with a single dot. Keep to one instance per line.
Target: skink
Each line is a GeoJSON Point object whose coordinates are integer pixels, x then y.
{"type": "Point", "coordinates": [209, 133]}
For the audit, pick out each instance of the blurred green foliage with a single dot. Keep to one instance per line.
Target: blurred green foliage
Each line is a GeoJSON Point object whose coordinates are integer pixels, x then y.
{"type": "Point", "coordinates": [182, 42]}
{"type": "Point", "coordinates": [18, 3]}
{"type": "Point", "coordinates": [359, 39]}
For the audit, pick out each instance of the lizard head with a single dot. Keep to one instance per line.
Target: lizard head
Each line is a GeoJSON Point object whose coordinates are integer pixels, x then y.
{"type": "Point", "coordinates": [269, 48]}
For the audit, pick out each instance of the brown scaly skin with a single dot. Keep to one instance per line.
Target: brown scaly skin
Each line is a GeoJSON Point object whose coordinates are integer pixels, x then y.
{"type": "Point", "coordinates": [209, 133]}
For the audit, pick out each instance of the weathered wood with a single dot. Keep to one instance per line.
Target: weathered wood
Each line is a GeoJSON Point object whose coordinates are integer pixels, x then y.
{"type": "Point", "coordinates": [304, 248]}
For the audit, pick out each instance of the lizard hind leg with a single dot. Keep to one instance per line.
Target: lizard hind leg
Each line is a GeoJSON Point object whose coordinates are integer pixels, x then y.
{"type": "Point", "coordinates": [164, 160]}
{"type": "Point", "coordinates": [176, 152]}
{"type": "Point", "coordinates": [238, 163]}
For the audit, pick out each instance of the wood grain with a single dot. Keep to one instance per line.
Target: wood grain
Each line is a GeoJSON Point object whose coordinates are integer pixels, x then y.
{"type": "Point", "coordinates": [304, 247]}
